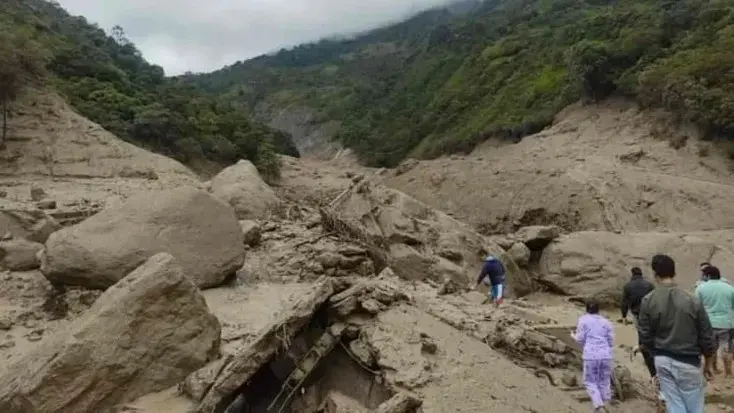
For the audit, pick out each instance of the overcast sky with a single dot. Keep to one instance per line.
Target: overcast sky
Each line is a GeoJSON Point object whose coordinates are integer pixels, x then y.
{"type": "Point", "coordinates": [203, 35]}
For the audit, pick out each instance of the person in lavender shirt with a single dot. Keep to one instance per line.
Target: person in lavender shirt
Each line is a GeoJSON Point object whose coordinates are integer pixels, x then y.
{"type": "Point", "coordinates": [594, 335]}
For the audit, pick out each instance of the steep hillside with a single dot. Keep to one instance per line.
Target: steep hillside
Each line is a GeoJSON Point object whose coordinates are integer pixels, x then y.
{"type": "Point", "coordinates": [107, 80]}
{"type": "Point", "coordinates": [609, 167]}
{"type": "Point", "coordinates": [444, 81]}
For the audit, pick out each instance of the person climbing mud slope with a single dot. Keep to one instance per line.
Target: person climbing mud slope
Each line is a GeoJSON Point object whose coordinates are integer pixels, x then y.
{"type": "Point", "coordinates": [595, 336]}
{"type": "Point", "coordinates": [493, 276]}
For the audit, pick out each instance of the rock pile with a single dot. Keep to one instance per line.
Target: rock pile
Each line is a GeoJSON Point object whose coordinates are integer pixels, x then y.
{"type": "Point", "coordinates": [416, 241]}
{"type": "Point", "coordinates": [298, 251]}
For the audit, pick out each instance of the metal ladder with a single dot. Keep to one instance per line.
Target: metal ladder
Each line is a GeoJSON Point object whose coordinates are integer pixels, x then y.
{"type": "Point", "coordinates": [304, 367]}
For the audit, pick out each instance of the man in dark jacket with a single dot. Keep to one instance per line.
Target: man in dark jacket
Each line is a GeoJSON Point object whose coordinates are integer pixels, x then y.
{"type": "Point", "coordinates": [493, 275]}
{"type": "Point", "coordinates": [633, 292]}
{"type": "Point", "coordinates": [674, 326]}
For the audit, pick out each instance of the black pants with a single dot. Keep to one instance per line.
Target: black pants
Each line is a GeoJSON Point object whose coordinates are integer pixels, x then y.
{"type": "Point", "coordinates": [649, 362]}
{"type": "Point", "coordinates": [646, 354]}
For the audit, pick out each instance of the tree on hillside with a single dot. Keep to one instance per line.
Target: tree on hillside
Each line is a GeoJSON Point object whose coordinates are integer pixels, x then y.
{"type": "Point", "coordinates": [22, 61]}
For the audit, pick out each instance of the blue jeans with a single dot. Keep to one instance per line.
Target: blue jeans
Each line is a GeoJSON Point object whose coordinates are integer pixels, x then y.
{"type": "Point", "coordinates": [681, 385]}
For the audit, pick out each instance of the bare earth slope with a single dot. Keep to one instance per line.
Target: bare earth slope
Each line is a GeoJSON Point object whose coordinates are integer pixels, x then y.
{"type": "Point", "coordinates": [52, 147]}
{"type": "Point", "coordinates": [606, 167]}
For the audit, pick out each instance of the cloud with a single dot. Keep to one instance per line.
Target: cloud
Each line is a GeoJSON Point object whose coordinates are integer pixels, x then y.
{"type": "Point", "coordinates": [204, 35]}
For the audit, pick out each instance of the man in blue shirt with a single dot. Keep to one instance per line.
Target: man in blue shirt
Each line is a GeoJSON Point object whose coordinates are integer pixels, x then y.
{"type": "Point", "coordinates": [493, 275]}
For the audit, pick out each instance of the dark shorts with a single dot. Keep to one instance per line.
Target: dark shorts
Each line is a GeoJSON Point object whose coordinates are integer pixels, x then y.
{"type": "Point", "coordinates": [724, 339]}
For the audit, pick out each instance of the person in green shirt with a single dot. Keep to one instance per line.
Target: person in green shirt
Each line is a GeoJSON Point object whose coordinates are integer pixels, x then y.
{"type": "Point", "coordinates": [717, 297]}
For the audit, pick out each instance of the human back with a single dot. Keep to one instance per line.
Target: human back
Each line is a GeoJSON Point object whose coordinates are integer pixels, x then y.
{"type": "Point", "coordinates": [674, 326]}
{"type": "Point", "coordinates": [717, 297]}
{"type": "Point", "coordinates": [677, 315]}
{"type": "Point", "coordinates": [597, 334]}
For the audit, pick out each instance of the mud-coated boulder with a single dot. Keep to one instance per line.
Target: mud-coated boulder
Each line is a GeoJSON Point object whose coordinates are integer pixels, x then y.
{"type": "Point", "coordinates": [144, 334]}
{"type": "Point", "coordinates": [241, 186]}
{"type": "Point", "coordinates": [190, 224]}
{"type": "Point", "coordinates": [251, 232]}
{"type": "Point", "coordinates": [18, 254]}
{"type": "Point", "coordinates": [597, 263]}
{"type": "Point", "coordinates": [536, 237]}
{"type": "Point", "coordinates": [32, 224]}
{"type": "Point", "coordinates": [520, 253]}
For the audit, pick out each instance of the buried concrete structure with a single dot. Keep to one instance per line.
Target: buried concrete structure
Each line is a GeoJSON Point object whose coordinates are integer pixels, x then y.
{"type": "Point", "coordinates": [364, 345]}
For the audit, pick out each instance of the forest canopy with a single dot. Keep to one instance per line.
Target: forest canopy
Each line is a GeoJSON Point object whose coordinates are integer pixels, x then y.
{"type": "Point", "coordinates": [447, 80]}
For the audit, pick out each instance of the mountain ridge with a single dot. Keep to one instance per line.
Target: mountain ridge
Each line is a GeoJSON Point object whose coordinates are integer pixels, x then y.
{"type": "Point", "coordinates": [441, 83]}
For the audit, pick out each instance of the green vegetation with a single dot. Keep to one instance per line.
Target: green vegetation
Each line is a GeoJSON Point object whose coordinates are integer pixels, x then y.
{"type": "Point", "coordinates": [107, 80]}
{"type": "Point", "coordinates": [443, 81]}
{"type": "Point", "coordinates": [22, 62]}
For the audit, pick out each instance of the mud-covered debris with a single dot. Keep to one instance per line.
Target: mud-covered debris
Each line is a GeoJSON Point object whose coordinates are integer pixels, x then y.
{"type": "Point", "coordinates": [569, 379]}
{"type": "Point", "coordinates": [402, 402]}
{"type": "Point", "coordinates": [19, 254]}
{"type": "Point", "coordinates": [46, 204]}
{"type": "Point", "coordinates": [328, 259]}
{"type": "Point", "coordinates": [336, 402]}
{"type": "Point", "coordinates": [428, 345]}
{"type": "Point", "coordinates": [5, 323]}
{"type": "Point", "coordinates": [32, 224]}
{"type": "Point", "coordinates": [448, 287]}
{"type": "Point", "coordinates": [344, 306]}
{"type": "Point", "coordinates": [248, 360]}
{"type": "Point", "coordinates": [37, 193]}
{"type": "Point", "coordinates": [361, 350]}
{"type": "Point", "coordinates": [197, 383]}
{"type": "Point", "coordinates": [372, 306]}
{"type": "Point", "coordinates": [371, 296]}
{"type": "Point", "coordinates": [251, 232]}
{"type": "Point", "coordinates": [351, 251]}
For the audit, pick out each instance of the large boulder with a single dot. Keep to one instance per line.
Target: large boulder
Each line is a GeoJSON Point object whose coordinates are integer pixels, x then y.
{"type": "Point", "coordinates": [241, 186]}
{"type": "Point", "coordinates": [597, 263]}
{"type": "Point", "coordinates": [144, 334]}
{"type": "Point", "coordinates": [417, 241]}
{"type": "Point", "coordinates": [199, 230]}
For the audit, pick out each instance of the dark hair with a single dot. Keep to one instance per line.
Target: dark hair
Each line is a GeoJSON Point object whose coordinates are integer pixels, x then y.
{"type": "Point", "coordinates": [663, 266]}
{"type": "Point", "coordinates": [712, 272]}
{"type": "Point", "coordinates": [636, 271]}
{"type": "Point", "coordinates": [704, 264]}
{"type": "Point", "coordinates": [592, 307]}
